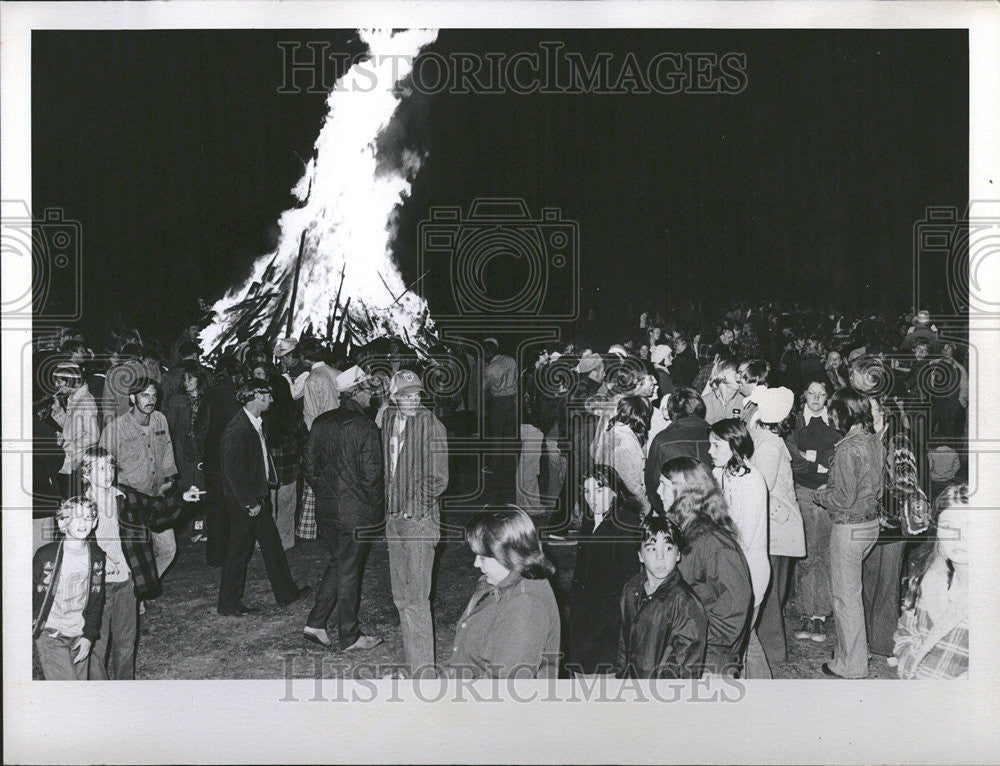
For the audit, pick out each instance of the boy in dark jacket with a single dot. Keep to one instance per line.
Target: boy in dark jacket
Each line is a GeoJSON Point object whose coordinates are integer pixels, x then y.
{"type": "Point", "coordinates": [664, 625]}
{"type": "Point", "coordinates": [68, 596]}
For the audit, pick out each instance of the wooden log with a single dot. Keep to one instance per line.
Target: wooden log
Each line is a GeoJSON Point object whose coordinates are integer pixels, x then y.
{"type": "Point", "coordinates": [295, 284]}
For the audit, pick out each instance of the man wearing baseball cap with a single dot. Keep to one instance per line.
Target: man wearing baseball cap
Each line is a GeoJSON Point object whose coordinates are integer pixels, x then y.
{"type": "Point", "coordinates": [343, 464]}
{"type": "Point", "coordinates": [415, 455]}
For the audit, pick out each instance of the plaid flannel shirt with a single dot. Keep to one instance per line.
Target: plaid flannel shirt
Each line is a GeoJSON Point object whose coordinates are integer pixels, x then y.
{"type": "Point", "coordinates": [286, 451]}
{"type": "Point", "coordinates": [924, 655]}
{"type": "Point", "coordinates": [137, 544]}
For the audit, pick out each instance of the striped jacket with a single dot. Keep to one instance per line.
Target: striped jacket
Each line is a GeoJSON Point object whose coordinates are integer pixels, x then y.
{"type": "Point", "coordinates": [421, 471]}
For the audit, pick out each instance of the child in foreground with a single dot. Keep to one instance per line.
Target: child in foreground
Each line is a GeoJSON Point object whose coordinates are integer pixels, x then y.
{"type": "Point", "coordinates": [68, 596]}
{"type": "Point", "coordinates": [664, 625]}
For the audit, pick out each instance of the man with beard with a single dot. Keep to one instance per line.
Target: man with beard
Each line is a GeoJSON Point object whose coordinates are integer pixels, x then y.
{"type": "Point", "coordinates": [140, 441]}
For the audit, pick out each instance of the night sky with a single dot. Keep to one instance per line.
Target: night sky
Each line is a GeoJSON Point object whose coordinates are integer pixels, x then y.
{"type": "Point", "coordinates": [176, 153]}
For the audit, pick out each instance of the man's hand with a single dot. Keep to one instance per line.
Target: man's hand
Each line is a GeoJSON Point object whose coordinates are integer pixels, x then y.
{"type": "Point", "coordinates": [165, 487]}
{"type": "Point", "coordinates": [253, 510]}
{"type": "Point", "coordinates": [82, 648]}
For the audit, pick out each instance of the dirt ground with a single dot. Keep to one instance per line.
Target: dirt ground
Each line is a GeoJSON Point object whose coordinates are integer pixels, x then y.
{"type": "Point", "coordinates": [188, 640]}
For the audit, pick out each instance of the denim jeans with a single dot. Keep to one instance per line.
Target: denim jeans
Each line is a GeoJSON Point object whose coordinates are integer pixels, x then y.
{"type": "Point", "coordinates": [849, 545]}
{"type": "Point", "coordinates": [119, 626]}
{"type": "Point", "coordinates": [812, 574]}
{"type": "Point", "coordinates": [881, 579]}
{"type": "Point", "coordinates": [411, 561]}
{"type": "Point", "coordinates": [285, 500]}
{"type": "Point", "coordinates": [55, 655]}
{"type": "Point", "coordinates": [534, 446]}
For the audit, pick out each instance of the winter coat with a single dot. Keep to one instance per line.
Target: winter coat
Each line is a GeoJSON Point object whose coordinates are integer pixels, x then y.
{"type": "Point", "coordinates": [746, 497]}
{"type": "Point", "coordinates": [605, 560]}
{"type": "Point", "coordinates": [343, 465]}
{"type": "Point", "coordinates": [785, 534]}
{"type": "Point", "coordinates": [421, 471]}
{"type": "Point", "coordinates": [684, 437]}
{"type": "Point", "coordinates": [664, 633]}
{"type": "Point", "coordinates": [508, 630]}
{"type": "Point", "coordinates": [717, 572]}
{"type": "Point", "coordinates": [189, 441]}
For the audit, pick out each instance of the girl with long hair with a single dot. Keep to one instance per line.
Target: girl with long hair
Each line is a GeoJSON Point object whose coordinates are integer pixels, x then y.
{"type": "Point", "coordinates": [932, 639]}
{"type": "Point", "coordinates": [851, 497]}
{"type": "Point", "coordinates": [714, 565]}
{"type": "Point", "coordinates": [511, 626]}
{"type": "Point", "coordinates": [605, 561]}
{"type": "Point", "coordinates": [745, 492]}
{"type": "Point", "coordinates": [810, 445]}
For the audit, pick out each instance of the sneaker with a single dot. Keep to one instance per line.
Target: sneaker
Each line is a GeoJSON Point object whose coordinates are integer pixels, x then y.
{"type": "Point", "coordinates": [817, 630]}
{"type": "Point", "coordinates": [363, 643]}
{"type": "Point", "coordinates": [804, 633]}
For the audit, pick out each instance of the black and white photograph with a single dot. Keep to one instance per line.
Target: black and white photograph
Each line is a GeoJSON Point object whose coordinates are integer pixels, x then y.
{"type": "Point", "coordinates": [373, 371]}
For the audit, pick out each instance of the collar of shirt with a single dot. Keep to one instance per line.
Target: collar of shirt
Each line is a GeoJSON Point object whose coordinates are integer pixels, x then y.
{"type": "Point", "coordinates": [497, 591]}
{"type": "Point", "coordinates": [78, 394]}
{"type": "Point", "coordinates": [808, 414]}
{"type": "Point", "coordinates": [255, 421]}
{"type": "Point", "coordinates": [315, 365]}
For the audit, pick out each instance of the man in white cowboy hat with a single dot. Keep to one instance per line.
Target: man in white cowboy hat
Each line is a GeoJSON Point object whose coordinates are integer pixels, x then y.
{"type": "Point", "coordinates": [921, 328]}
{"type": "Point", "coordinates": [343, 463]}
{"type": "Point", "coordinates": [286, 351]}
{"type": "Point", "coordinates": [415, 457]}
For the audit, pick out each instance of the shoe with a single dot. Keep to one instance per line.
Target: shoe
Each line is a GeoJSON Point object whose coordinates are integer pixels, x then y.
{"type": "Point", "coordinates": [316, 636]}
{"type": "Point", "coordinates": [827, 672]}
{"type": "Point", "coordinates": [817, 630]}
{"type": "Point", "coordinates": [804, 633]}
{"type": "Point", "coordinates": [364, 643]}
{"type": "Point", "coordinates": [241, 610]}
{"type": "Point", "coordinates": [151, 607]}
{"type": "Point", "coordinates": [300, 594]}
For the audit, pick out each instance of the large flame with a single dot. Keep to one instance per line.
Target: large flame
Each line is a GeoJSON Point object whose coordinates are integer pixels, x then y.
{"type": "Point", "coordinates": [348, 217]}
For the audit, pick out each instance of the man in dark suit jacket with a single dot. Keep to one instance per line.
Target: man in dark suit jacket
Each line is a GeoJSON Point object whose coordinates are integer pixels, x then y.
{"type": "Point", "coordinates": [247, 475]}
{"type": "Point", "coordinates": [343, 464]}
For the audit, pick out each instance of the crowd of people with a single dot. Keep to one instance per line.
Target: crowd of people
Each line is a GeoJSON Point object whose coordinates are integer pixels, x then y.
{"type": "Point", "coordinates": [709, 475]}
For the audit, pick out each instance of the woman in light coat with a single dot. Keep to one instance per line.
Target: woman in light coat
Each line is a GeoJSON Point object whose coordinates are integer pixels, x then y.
{"type": "Point", "coordinates": [786, 533]}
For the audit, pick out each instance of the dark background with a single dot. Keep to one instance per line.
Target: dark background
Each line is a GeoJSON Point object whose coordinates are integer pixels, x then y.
{"type": "Point", "coordinates": [176, 153]}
